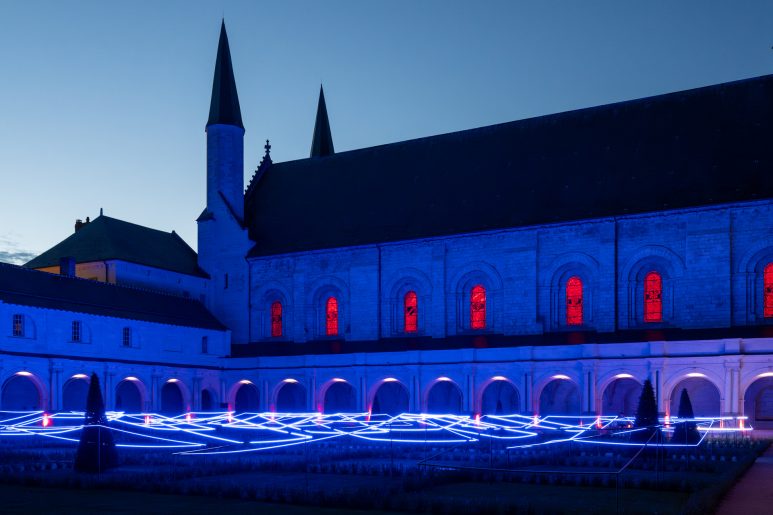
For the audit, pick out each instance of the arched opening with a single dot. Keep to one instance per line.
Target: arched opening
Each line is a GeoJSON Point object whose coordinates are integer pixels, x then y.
{"type": "Point", "coordinates": [207, 400]}
{"type": "Point", "coordinates": [20, 393]}
{"type": "Point", "coordinates": [574, 301]}
{"type": "Point", "coordinates": [758, 403]}
{"type": "Point", "coordinates": [621, 397]}
{"type": "Point", "coordinates": [391, 398]}
{"type": "Point", "coordinates": [653, 297]}
{"type": "Point", "coordinates": [478, 307]}
{"type": "Point", "coordinates": [444, 398]}
{"type": "Point", "coordinates": [247, 398]}
{"type": "Point", "coordinates": [340, 397]}
{"type": "Point", "coordinates": [704, 397]}
{"type": "Point", "coordinates": [500, 398]}
{"type": "Point", "coordinates": [171, 399]}
{"type": "Point", "coordinates": [128, 397]}
{"type": "Point", "coordinates": [74, 393]}
{"type": "Point", "coordinates": [560, 397]}
{"type": "Point", "coordinates": [291, 398]}
{"type": "Point", "coordinates": [411, 308]}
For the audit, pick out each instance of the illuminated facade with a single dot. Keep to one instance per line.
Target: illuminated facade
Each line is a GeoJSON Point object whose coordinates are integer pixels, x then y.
{"type": "Point", "coordinates": [540, 266]}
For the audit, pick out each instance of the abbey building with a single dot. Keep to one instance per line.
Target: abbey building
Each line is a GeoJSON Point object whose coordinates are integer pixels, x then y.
{"type": "Point", "coordinates": [546, 265]}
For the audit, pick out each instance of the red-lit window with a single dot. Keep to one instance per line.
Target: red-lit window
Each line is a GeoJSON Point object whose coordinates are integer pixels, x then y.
{"type": "Point", "coordinates": [574, 301]}
{"type": "Point", "coordinates": [276, 319]}
{"type": "Point", "coordinates": [653, 297]}
{"type": "Point", "coordinates": [331, 316]}
{"type": "Point", "coordinates": [478, 307]}
{"type": "Point", "coordinates": [768, 301]}
{"type": "Point", "coordinates": [411, 303]}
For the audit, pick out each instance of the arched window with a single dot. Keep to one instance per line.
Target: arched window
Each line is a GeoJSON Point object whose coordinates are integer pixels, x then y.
{"type": "Point", "coordinates": [276, 319]}
{"type": "Point", "coordinates": [411, 304]}
{"type": "Point", "coordinates": [653, 297]}
{"type": "Point", "coordinates": [331, 316]}
{"type": "Point", "coordinates": [768, 293]}
{"type": "Point", "coordinates": [478, 307]}
{"type": "Point", "coordinates": [574, 301]}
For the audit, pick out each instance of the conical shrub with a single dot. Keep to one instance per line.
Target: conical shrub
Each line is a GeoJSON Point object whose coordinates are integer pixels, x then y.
{"type": "Point", "coordinates": [96, 450]}
{"type": "Point", "coordinates": [647, 412]}
{"type": "Point", "coordinates": [686, 432]}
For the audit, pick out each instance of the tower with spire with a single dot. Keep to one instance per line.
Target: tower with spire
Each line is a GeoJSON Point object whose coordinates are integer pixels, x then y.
{"type": "Point", "coordinates": [223, 242]}
{"type": "Point", "coordinates": [322, 140]}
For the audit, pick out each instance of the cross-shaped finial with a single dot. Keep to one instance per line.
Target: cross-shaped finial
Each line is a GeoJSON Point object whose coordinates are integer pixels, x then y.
{"type": "Point", "coordinates": [267, 146]}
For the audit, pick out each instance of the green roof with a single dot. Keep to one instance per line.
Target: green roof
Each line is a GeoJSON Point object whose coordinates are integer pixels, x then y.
{"type": "Point", "coordinates": [106, 238]}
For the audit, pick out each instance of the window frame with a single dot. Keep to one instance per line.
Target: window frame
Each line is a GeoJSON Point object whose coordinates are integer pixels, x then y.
{"type": "Point", "coordinates": [411, 297]}
{"type": "Point", "coordinates": [276, 320]}
{"type": "Point", "coordinates": [332, 324]}
{"type": "Point", "coordinates": [652, 308]}
{"type": "Point", "coordinates": [126, 337]}
{"type": "Point", "coordinates": [479, 322]}
{"type": "Point", "coordinates": [574, 314]}
{"type": "Point", "coordinates": [767, 291]}
{"type": "Point", "coordinates": [17, 325]}
{"type": "Point", "coordinates": [76, 331]}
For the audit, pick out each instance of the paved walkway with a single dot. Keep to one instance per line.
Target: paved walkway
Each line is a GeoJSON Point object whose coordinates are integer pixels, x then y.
{"type": "Point", "coordinates": [753, 493]}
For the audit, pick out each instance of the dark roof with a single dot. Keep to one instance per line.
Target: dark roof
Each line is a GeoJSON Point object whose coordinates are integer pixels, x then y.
{"type": "Point", "coordinates": [692, 148]}
{"type": "Point", "coordinates": [224, 107]}
{"type": "Point", "coordinates": [26, 287]}
{"type": "Point", "coordinates": [109, 238]}
{"type": "Point", "coordinates": [322, 140]}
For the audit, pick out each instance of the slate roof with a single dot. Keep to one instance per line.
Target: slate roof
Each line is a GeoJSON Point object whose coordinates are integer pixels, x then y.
{"type": "Point", "coordinates": [109, 238]}
{"type": "Point", "coordinates": [26, 287]}
{"type": "Point", "coordinates": [691, 148]}
{"type": "Point", "coordinates": [224, 105]}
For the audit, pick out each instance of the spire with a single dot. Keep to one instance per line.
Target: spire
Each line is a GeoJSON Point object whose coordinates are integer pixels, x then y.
{"type": "Point", "coordinates": [224, 107]}
{"type": "Point", "coordinates": [322, 142]}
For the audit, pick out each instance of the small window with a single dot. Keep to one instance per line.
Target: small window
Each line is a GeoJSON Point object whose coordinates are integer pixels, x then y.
{"type": "Point", "coordinates": [126, 339]}
{"type": "Point", "coordinates": [75, 331]}
{"type": "Point", "coordinates": [768, 292]}
{"type": "Point", "coordinates": [276, 319]}
{"type": "Point", "coordinates": [331, 316]}
{"type": "Point", "coordinates": [574, 301]}
{"type": "Point", "coordinates": [18, 325]}
{"type": "Point", "coordinates": [204, 345]}
{"type": "Point", "coordinates": [411, 306]}
{"type": "Point", "coordinates": [478, 307]}
{"type": "Point", "coordinates": [225, 282]}
{"type": "Point", "coordinates": [653, 297]}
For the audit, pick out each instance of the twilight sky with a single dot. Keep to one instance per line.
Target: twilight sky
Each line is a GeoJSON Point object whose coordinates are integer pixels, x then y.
{"type": "Point", "coordinates": [103, 104]}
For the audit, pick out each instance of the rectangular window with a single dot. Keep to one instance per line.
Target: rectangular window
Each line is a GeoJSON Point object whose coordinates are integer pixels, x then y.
{"type": "Point", "coordinates": [75, 331]}
{"type": "Point", "coordinates": [127, 337]}
{"type": "Point", "coordinates": [204, 344]}
{"type": "Point", "coordinates": [18, 325]}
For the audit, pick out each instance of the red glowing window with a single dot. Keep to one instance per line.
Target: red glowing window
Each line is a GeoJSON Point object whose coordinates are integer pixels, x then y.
{"type": "Point", "coordinates": [574, 301]}
{"type": "Point", "coordinates": [331, 316]}
{"type": "Point", "coordinates": [411, 304]}
{"type": "Point", "coordinates": [276, 319]}
{"type": "Point", "coordinates": [653, 297]}
{"type": "Point", "coordinates": [768, 301]}
{"type": "Point", "coordinates": [478, 307]}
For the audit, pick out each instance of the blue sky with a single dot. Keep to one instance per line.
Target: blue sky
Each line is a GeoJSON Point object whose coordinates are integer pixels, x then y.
{"type": "Point", "coordinates": [103, 104]}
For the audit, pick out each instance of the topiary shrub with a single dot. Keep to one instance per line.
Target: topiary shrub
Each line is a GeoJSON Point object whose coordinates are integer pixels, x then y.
{"type": "Point", "coordinates": [646, 413]}
{"type": "Point", "coordinates": [686, 432]}
{"type": "Point", "coordinates": [96, 450]}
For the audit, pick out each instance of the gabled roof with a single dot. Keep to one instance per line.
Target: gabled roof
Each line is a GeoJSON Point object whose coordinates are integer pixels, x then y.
{"type": "Point", "coordinates": [109, 238]}
{"type": "Point", "coordinates": [692, 148]}
{"type": "Point", "coordinates": [224, 106]}
{"type": "Point", "coordinates": [44, 290]}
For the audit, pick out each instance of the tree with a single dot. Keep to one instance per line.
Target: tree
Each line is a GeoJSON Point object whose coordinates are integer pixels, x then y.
{"type": "Point", "coordinates": [687, 431]}
{"type": "Point", "coordinates": [96, 450]}
{"type": "Point", "coordinates": [647, 412]}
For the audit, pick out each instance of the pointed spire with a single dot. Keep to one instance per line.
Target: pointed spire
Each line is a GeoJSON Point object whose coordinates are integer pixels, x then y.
{"type": "Point", "coordinates": [322, 142]}
{"type": "Point", "coordinates": [224, 107]}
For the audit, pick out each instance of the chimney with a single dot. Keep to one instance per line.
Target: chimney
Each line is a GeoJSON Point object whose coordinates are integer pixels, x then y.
{"type": "Point", "coordinates": [67, 266]}
{"type": "Point", "coordinates": [78, 224]}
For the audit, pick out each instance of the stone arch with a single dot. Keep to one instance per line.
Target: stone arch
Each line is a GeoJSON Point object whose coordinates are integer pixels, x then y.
{"type": "Point", "coordinates": [444, 397]}
{"type": "Point", "coordinates": [246, 397]}
{"type": "Point", "coordinates": [290, 397]}
{"type": "Point", "coordinates": [130, 395]}
{"type": "Point", "coordinates": [208, 400]}
{"type": "Point", "coordinates": [339, 397]}
{"type": "Point", "coordinates": [704, 395]}
{"type": "Point", "coordinates": [651, 258]}
{"type": "Point", "coordinates": [322, 289]}
{"type": "Point", "coordinates": [560, 396]}
{"type": "Point", "coordinates": [74, 393]}
{"type": "Point", "coordinates": [470, 275]}
{"type": "Point", "coordinates": [758, 402]}
{"type": "Point", "coordinates": [621, 396]}
{"type": "Point", "coordinates": [172, 398]}
{"type": "Point", "coordinates": [22, 392]}
{"type": "Point", "coordinates": [407, 279]}
{"type": "Point", "coordinates": [390, 397]}
{"type": "Point", "coordinates": [499, 397]}
{"type": "Point", "coordinates": [565, 266]}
